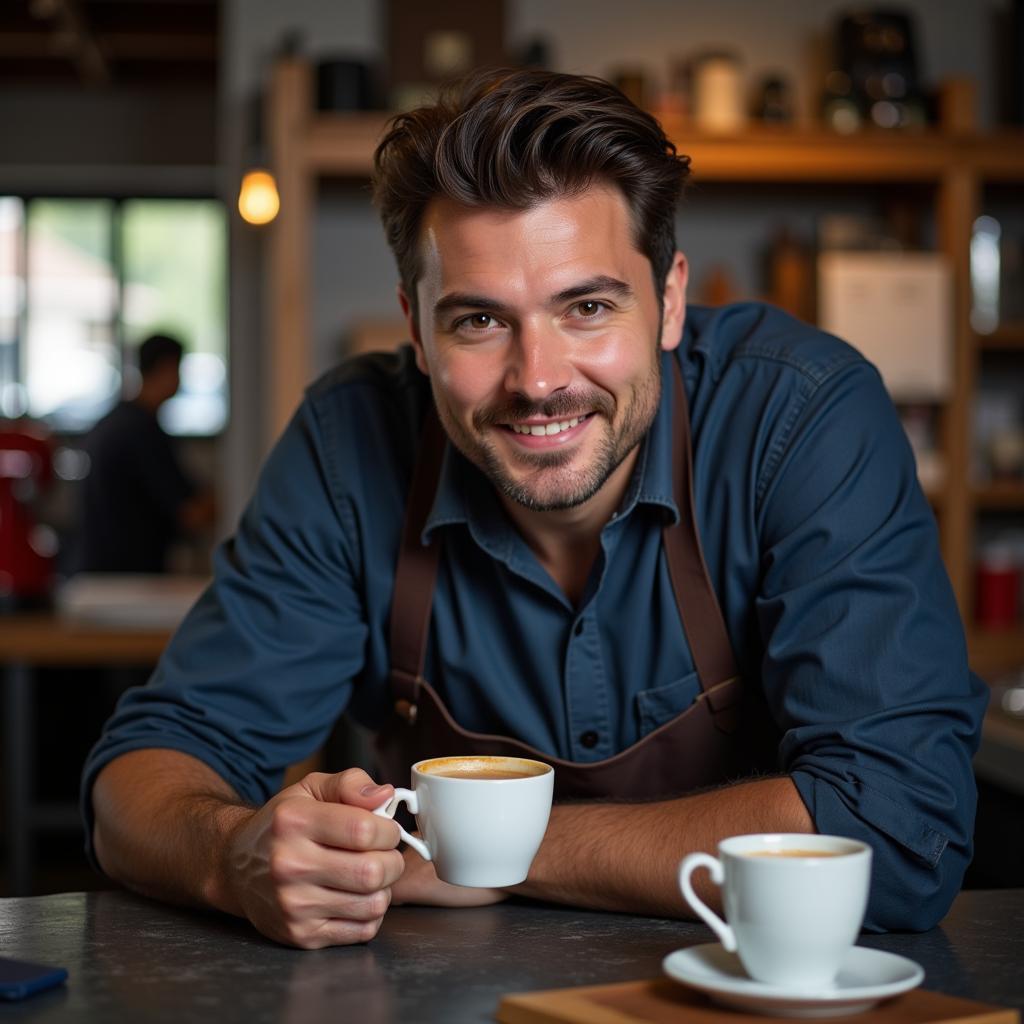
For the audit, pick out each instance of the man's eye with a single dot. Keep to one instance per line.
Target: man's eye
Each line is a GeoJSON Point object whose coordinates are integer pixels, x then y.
{"type": "Point", "coordinates": [478, 321]}
{"type": "Point", "coordinates": [589, 308]}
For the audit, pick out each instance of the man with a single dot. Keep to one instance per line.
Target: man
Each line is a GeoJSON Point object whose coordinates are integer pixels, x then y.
{"type": "Point", "coordinates": [680, 553]}
{"type": "Point", "coordinates": [137, 500]}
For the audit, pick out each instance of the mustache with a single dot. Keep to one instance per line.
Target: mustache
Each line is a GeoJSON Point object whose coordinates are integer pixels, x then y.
{"type": "Point", "coordinates": [562, 405]}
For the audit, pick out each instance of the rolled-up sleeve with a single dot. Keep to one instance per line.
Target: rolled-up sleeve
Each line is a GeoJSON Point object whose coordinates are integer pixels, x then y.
{"type": "Point", "coordinates": [262, 666]}
{"type": "Point", "coordinates": [865, 664]}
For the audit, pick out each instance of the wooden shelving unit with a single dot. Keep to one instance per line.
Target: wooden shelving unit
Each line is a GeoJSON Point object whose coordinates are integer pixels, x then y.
{"type": "Point", "coordinates": [995, 653]}
{"type": "Point", "coordinates": [953, 164]}
{"type": "Point", "coordinates": [1005, 339]}
{"type": "Point", "coordinates": [1002, 495]}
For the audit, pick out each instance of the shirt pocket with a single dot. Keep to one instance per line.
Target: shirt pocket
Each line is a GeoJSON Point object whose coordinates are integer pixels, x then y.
{"type": "Point", "coordinates": [663, 703]}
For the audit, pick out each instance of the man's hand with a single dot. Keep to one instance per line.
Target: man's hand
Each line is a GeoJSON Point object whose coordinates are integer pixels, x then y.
{"type": "Point", "coordinates": [313, 867]}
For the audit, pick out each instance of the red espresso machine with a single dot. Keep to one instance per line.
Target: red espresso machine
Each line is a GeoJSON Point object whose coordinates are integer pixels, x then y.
{"type": "Point", "coordinates": [26, 471]}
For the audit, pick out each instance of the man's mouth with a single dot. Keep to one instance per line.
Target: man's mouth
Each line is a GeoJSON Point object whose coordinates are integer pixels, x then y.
{"type": "Point", "coordinates": [549, 428]}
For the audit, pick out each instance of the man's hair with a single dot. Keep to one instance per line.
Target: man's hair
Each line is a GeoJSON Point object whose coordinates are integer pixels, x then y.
{"type": "Point", "coordinates": [513, 139]}
{"type": "Point", "coordinates": [157, 349]}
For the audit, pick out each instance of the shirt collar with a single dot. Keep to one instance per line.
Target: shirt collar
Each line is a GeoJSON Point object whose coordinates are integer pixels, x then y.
{"type": "Point", "coordinates": [449, 500]}
{"type": "Point", "coordinates": [651, 483]}
{"type": "Point", "coordinates": [465, 496]}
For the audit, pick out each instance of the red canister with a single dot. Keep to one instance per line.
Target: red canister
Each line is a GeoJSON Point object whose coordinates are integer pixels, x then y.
{"type": "Point", "coordinates": [997, 587]}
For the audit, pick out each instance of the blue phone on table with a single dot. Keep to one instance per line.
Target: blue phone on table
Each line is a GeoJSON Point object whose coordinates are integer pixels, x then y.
{"type": "Point", "coordinates": [19, 978]}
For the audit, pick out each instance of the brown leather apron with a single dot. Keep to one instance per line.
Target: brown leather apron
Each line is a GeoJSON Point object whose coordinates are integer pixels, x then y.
{"type": "Point", "coordinates": [724, 735]}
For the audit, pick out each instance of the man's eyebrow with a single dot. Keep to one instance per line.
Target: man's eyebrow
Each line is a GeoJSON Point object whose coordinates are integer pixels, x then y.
{"type": "Point", "coordinates": [464, 300]}
{"type": "Point", "coordinates": [600, 283]}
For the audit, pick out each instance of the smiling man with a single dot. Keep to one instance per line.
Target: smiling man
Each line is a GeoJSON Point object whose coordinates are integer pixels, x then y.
{"type": "Point", "coordinates": [679, 553]}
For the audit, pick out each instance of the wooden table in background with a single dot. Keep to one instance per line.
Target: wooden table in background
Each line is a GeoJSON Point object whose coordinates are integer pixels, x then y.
{"type": "Point", "coordinates": [28, 641]}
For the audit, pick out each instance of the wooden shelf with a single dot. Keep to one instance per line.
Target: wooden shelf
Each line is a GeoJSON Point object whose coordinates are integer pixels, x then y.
{"type": "Point", "coordinates": [342, 144]}
{"type": "Point", "coordinates": [996, 158]}
{"type": "Point", "coordinates": [808, 157]}
{"type": "Point", "coordinates": [1004, 339]}
{"type": "Point", "coordinates": [1000, 495]}
{"type": "Point", "coordinates": [993, 654]}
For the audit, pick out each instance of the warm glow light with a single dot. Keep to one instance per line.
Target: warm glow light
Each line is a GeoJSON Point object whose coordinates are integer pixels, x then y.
{"type": "Point", "coordinates": [258, 201]}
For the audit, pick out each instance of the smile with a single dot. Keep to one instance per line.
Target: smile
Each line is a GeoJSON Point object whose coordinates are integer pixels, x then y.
{"type": "Point", "coordinates": [546, 429]}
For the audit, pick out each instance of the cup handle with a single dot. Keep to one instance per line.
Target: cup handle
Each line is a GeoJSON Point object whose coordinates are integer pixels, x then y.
{"type": "Point", "coordinates": [690, 864]}
{"type": "Point", "coordinates": [389, 808]}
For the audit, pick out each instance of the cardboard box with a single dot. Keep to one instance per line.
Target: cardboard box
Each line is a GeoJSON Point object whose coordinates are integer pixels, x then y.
{"type": "Point", "coordinates": [897, 309]}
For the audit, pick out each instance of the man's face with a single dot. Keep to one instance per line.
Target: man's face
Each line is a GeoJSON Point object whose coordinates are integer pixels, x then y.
{"type": "Point", "coordinates": [540, 330]}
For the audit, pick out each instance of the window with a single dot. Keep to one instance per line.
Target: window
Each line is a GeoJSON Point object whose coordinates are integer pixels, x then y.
{"type": "Point", "coordinates": [84, 281]}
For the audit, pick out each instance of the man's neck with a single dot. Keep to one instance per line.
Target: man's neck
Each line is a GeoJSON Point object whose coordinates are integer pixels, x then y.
{"type": "Point", "coordinates": [567, 541]}
{"type": "Point", "coordinates": [148, 401]}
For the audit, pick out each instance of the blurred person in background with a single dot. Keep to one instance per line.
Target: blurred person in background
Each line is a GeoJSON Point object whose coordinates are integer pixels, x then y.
{"type": "Point", "coordinates": [137, 500]}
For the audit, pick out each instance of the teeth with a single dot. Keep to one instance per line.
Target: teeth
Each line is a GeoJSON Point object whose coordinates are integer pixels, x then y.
{"type": "Point", "coordinates": [543, 430]}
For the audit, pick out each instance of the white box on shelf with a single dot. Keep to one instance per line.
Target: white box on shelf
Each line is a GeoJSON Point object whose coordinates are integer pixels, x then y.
{"type": "Point", "coordinates": [897, 309]}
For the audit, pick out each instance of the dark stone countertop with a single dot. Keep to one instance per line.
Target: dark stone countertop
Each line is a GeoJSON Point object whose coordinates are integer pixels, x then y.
{"type": "Point", "coordinates": [131, 959]}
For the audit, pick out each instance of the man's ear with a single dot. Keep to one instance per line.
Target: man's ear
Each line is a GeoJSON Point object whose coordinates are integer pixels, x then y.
{"type": "Point", "coordinates": [414, 330]}
{"type": "Point", "coordinates": [673, 312]}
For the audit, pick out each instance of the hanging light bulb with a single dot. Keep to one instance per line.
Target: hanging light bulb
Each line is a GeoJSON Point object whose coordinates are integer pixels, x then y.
{"type": "Point", "coordinates": [258, 201]}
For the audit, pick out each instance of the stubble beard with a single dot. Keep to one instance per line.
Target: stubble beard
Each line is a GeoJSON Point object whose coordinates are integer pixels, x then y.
{"type": "Point", "coordinates": [550, 483]}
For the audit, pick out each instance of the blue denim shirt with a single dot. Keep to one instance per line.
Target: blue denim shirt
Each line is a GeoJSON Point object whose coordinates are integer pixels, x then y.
{"type": "Point", "coordinates": [821, 547]}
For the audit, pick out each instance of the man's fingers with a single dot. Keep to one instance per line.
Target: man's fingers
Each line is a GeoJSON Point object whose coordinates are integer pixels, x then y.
{"type": "Point", "coordinates": [310, 930]}
{"type": "Point", "coordinates": [300, 903]}
{"type": "Point", "coordinates": [310, 914]}
{"type": "Point", "coordinates": [335, 825]}
{"type": "Point", "coordinates": [329, 932]}
{"type": "Point", "coordinates": [353, 787]}
{"type": "Point", "coordinates": [357, 873]}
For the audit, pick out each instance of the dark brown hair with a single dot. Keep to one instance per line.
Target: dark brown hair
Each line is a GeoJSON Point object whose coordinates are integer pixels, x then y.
{"type": "Point", "coordinates": [517, 138]}
{"type": "Point", "coordinates": [157, 349]}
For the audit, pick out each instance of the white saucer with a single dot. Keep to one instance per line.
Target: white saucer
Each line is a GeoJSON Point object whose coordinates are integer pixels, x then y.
{"type": "Point", "coordinates": [866, 977]}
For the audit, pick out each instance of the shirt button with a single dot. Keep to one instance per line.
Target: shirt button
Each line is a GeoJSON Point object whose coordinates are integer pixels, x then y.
{"type": "Point", "coordinates": [589, 739]}
{"type": "Point", "coordinates": [579, 628]}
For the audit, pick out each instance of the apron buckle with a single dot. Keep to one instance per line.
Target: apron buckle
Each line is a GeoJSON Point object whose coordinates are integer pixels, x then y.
{"type": "Point", "coordinates": [406, 710]}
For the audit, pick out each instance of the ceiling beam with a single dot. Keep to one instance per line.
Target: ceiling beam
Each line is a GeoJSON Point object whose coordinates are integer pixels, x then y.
{"type": "Point", "coordinates": [72, 36]}
{"type": "Point", "coordinates": [157, 46]}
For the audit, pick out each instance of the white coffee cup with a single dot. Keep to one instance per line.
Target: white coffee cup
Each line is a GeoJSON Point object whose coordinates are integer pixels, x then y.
{"type": "Point", "coordinates": [481, 819]}
{"type": "Point", "coordinates": [794, 903]}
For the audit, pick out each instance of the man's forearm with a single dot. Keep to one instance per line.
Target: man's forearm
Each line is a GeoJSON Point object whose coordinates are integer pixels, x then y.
{"type": "Point", "coordinates": [163, 820]}
{"type": "Point", "coordinates": [625, 856]}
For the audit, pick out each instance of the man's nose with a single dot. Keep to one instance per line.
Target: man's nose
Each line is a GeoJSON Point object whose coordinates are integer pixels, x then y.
{"type": "Point", "coordinates": [539, 363]}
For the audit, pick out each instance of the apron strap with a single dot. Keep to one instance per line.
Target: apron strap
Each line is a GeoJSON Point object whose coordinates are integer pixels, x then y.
{"type": "Point", "coordinates": [695, 597]}
{"type": "Point", "coordinates": [416, 572]}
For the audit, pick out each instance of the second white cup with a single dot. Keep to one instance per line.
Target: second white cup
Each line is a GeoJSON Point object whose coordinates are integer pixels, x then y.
{"type": "Point", "coordinates": [794, 903]}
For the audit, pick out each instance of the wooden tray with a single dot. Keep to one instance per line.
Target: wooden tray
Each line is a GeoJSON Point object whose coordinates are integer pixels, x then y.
{"type": "Point", "coordinates": [665, 1002]}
